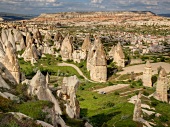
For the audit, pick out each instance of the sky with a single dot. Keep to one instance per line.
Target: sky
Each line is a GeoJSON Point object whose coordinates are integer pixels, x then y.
{"type": "Point", "coordinates": [53, 6]}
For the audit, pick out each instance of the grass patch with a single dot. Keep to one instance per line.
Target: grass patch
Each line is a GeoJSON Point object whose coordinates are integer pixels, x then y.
{"type": "Point", "coordinates": [34, 109]}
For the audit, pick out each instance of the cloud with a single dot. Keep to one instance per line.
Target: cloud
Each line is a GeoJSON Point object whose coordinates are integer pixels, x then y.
{"type": "Point", "coordinates": [96, 1]}
{"type": "Point", "coordinates": [52, 6]}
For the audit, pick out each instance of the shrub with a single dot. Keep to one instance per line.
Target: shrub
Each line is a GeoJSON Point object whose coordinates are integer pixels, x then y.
{"type": "Point", "coordinates": [163, 118]}
{"type": "Point", "coordinates": [116, 93]}
{"type": "Point", "coordinates": [94, 97]}
{"type": "Point", "coordinates": [6, 105]}
{"type": "Point", "coordinates": [56, 84]}
{"type": "Point", "coordinates": [145, 93]}
{"type": "Point", "coordinates": [154, 103]}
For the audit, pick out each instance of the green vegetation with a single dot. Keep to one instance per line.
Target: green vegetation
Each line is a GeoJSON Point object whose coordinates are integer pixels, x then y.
{"type": "Point", "coordinates": [109, 108]}
{"type": "Point", "coordinates": [34, 109]}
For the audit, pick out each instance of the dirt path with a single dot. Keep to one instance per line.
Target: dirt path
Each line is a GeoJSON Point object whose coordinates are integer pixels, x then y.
{"type": "Point", "coordinates": [109, 89]}
{"type": "Point", "coordinates": [140, 68]}
{"type": "Point", "coordinates": [77, 69]}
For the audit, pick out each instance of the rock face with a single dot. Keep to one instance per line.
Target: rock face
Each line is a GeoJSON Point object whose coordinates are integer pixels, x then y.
{"type": "Point", "coordinates": [96, 62]}
{"type": "Point", "coordinates": [39, 86]}
{"type": "Point", "coordinates": [117, 54]}
{"type": "Point", "coordinates": [11, 62]}
{"type": "Point", "coordinates": [86, 44]}
{"type": "Point", "coordinates": [68, 93]}
{"type": "Point", "coordinates": [37, 35]}
{"type": "Point", "coordinates": [13, 36]}
{"type": "Point", "coordinates": [30, 53]}
{"type": "Point", "coordinates": [78, 55]}
{"type": "Point", "coordinates": [137, 114]}
{"type": "Point", "coordinates": [66, 48]}
{"type": "Point", "coordinates": [147, 75]}
{"type": "Point", "coordinates": [58, 37]}
{"type": "Point", "coordinates": [162, 86]}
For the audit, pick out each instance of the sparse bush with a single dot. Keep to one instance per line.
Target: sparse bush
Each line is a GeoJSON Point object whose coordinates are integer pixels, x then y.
{"type": "Point", "coordinates": [94, 97]}
{"type": "Point", "coordinates": [163, 118]}
{"type": "Point", "coordinates": [56, 84]}
{"type": "Point", "coordinates": [145, 93]}
{"type": "Point", "coordinates": [116, 93]}
{"type": "Point", "coordinates": [154, 103]}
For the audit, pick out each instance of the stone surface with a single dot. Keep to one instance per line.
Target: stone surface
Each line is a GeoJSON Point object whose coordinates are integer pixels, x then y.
{"type": "Point", "coordinates": [86, 44]}
{"type": "Point", "coordinates": [137, 115]}
{"type": "Point", "coordinates": [162, 86]}
{"type": "Point", "coordinates": [118, 55]}
{"type": "Point", "coordinates": [30, 52]}
{"type": "Point", "coordinates": [78, 55]}
{"type": "Point", "coordinates": [39, 87]}
{"type": "Point", "coordinates": [66, 48]}
{"type": "Point", "coordinates": [96, 62]}
{"type": "Point", "coordinates": [147, 75]}
{"type": "Point", "coordinates": [3, 84]}
{"type": "Point", "coordinates": [11, 62]}
{"type": "Point", "coordinates": [68, 93]}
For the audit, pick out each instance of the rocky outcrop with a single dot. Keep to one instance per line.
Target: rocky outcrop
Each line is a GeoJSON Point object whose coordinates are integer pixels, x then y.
{"type": "Point", "coordinates": [162, 86]}
{"type": "Point", "coordinates": [86, 44]}
{"type": "Point", "coordinates": [47, 37]}
{"type": "Point", "coordinates": [78, 55]}
{"type": "Point", "coordinates": [147, 75]}
{"type": "Point", "coordinates": [30, 53]}
{"type": "Point", "coordinates": [137, 114]}
{"type": "Point", "coordinates": [66, 48]}
{"type": "Point", "coordinates": [58, 37]}
{"type": "Point", "coordinates": [117, 54]}
{"type": "Point", "coordinates": [37, 36]}
{"type": "Point", "coordinates": [39, 86]}
{"type": "Point", "coordinates": [68, 93]}
{"type": "Point", "coordinates": [96, 62]}
{"type": "Point", "coordinates": [11, 62]}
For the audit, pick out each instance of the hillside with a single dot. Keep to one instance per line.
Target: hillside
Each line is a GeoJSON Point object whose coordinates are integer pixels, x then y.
{"type": "Point", "coordinates": [11, 16]}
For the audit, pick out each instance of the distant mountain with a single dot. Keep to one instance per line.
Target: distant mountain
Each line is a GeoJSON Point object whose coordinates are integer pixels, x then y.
{"type": "Point", "coordinates": [11, 16]}
{"type": "Point", "coordinates": [164, 15]}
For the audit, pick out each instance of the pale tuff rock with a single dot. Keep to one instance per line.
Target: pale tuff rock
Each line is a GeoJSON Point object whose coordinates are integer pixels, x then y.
{"type": "Point", "coordinates": [37, 35]}
{"type": "Point", "coordinates": [9, 96]}
{"type": "Point", "coordinates": [78, 55]}
{"type": "Point", "coordinates": [1, 19]}
{"type": "Point", "coordinates": [33, 61]}
{"type": "Point", "coordinates": [88, 125]}
{"type": "Point", "coordinates": [66, 48]}
{"type": "Point", "coordinates": [147, 75]}
{"type": "Point", "coordinates": [57, 45]}
{"type": "Point", "coordinates": [112, 52]}
{"type": "Point", "coordinates": [47, 49]}
{"type": "Point", "coordinates": [30, 52]}
{"type": "Point", "coordinates": [96, 62]}
{"type": "Point", "coordinates": [119, 56]}
{"type": "Point", "coordinates": [47, 37]}
{"type": "Point", "coordinates": [3, 84]}
{"type": "Point", "coordinates": [4, 36]}
{"type": "Point", "coordinates": [162, 86]}
{"type": "Point", "coordinates": [58, 37]}
{"type": "Point", "coordinates": [19, 39]}
{"type": "Point", "coordinates": [29, 39]}
{"type": "Point", "coordinates": [137, 115]}
{"type": "Point", "coordinates": [2, 52]}
{"type": "Point", "coordinates": [11, 62]}
{"type": "Point", "coordinates": [68, 93]}
{"type": "Point", "coordinates": [11, 38]}
{"type": "Point", "coordinates": [38, 87]}
{"type": "Point", "coordinates": [86, 44]}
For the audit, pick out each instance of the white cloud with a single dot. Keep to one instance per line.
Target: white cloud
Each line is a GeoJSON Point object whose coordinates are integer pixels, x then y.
{"type": "Point", "coordinates": [96, 1]}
